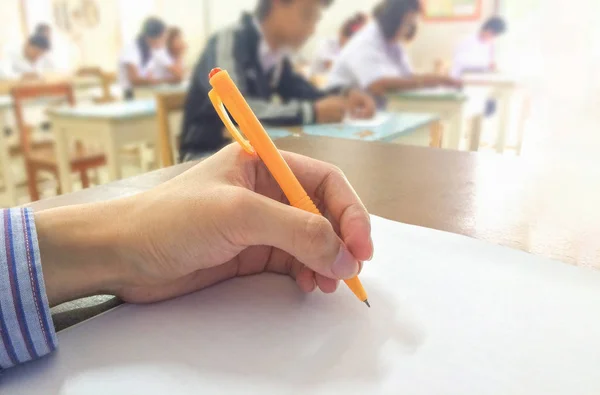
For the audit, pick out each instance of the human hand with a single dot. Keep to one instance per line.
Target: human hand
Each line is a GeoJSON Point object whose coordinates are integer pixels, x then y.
{"type": "Point", "coordinates": [223, 218]}
{"type": "Point", "coordinates": [361, 104]}
{"type": "Point", "coordinates": [330, 109]}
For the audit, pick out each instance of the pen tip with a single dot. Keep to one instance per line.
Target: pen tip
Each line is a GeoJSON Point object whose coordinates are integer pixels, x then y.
{"type": "Point", "coordinates": [367, 303]}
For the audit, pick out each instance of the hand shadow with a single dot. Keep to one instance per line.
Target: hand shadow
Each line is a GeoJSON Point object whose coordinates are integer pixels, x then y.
{"type": "Point", "coordinates": [259, 329]}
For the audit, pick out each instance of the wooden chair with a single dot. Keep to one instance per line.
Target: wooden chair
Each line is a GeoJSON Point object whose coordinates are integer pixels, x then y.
{"type": "Point", "coordinates": [106, 80]}
{"type": "Point", "coordinates": [44, 159]}
{"type": "Point", "coordinates": [166, 103]}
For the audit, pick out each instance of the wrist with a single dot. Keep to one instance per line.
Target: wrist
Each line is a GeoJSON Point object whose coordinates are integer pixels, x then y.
{"type": "Point", "coordinates": [80, 251]}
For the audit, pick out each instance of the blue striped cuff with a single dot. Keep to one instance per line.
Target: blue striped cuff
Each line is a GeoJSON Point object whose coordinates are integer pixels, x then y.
{"type": "Point", "coordinates": [26, 330]}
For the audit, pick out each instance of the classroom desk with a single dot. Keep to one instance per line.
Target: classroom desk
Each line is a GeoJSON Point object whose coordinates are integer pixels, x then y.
{"type": "Point", "coordinates": [112, 125]}
{"type": "Point", "coordinates": [146, 92]}
{"type": "Point", "coordinates": [503, 89]}
{"type": "Point", "coordinates": [400, 128]}
{"type": "Point", "coordinates": [453, 106]}
{"type": "Point", "coordinates": [546, 210]}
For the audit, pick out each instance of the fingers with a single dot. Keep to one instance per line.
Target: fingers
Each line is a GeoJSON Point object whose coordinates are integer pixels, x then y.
{"type": "Point", "coordinates": [308, 237]}
{"type": "Point", "coordinates": [329, 185]}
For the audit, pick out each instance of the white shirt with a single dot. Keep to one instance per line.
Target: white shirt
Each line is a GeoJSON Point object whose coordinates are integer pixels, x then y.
{"type": "Point", "coordinates": [328, 51]}
{"type": "Point", "coordinates": [368, 57]}
{"type": "Point", "coordinates": [472, 54]}
{"type": "Point", "coordinates": [14, 64]}
{"type": "Point", "coordinates": [156, 67]}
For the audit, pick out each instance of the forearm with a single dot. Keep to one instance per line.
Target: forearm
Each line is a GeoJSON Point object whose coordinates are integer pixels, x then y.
{"type": "Point", "coordinates": [385, 85]}
{"type": "Point", "coordinates": [79, 249]}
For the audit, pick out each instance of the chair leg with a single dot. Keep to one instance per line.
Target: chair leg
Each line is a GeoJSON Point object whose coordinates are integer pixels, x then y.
{"type": "Point", "coordinates": [85, 180]}
{"type": "Point", "coordinates": [34, 193]}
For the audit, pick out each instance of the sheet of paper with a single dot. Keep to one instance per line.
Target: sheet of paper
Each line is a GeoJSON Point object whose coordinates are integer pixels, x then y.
{"type": "Point", "coordinates": [450, 315]}
{"type": "Point", "coordinates": [380, 118]}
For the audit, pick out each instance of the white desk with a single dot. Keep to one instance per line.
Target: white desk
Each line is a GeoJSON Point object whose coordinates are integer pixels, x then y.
{"type": "Point", "coordinates": [147, 92]}
{"type": "Point", "coordinates": [112, 125]}
{"type": "Point", "coordinates": [449, 104]}
{"type": "Point", "coordinates": [502, 89]}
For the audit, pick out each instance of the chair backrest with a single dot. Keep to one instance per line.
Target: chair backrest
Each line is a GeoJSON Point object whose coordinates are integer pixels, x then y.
{"type": "Point", "coordinates": [29, 91]}
{"type": "Point", "coordinates": [106, 80]}
{"type": "Point", "coordinates": [166, 103]}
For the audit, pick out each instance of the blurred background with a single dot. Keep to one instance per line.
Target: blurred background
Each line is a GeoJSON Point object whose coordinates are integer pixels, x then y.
{"type": "Point", "coordinates": [550, 54]}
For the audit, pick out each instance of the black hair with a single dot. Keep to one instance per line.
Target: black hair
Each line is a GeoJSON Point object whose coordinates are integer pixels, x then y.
{"type": "Point", "coordinates": [263, 8]}
{"type": "Point", "coordinates": [353, 24]}
{"type": "Point", "coordinates": [496, 25]}
{"type": "Point", "coordinates": [41, 28]}
{"type": "Point", "coordinates": [390, 13]}
{"type": "Point", "coordinates": [40, 41]}
{"type": "Point", "coordinates": [152, 28]}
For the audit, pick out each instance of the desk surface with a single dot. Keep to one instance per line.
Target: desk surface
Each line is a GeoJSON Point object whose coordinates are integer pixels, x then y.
{"type": "Point", "coordinates": [507, 201]}
{"type": "Point", "coordinates": [489, 79]}
{"type": "Point", "coordinates": [116, 110]}
{"type": "Point", "coordinates": [547, 211]}
{"type": "Point", "coordinates": [441, 94]}
{"type": "Point", "coordinates": [384, 127]}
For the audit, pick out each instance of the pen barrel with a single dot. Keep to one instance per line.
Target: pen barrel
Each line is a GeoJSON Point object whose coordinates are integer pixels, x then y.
{"type": "Point", "coordinates": [307, 204]}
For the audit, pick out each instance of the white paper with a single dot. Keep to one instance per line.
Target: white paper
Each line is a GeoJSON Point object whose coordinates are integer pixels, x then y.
{"type": "Point", "coordinates": [450, 315]}
{"type": "Point", "coordinates": [378, 119]}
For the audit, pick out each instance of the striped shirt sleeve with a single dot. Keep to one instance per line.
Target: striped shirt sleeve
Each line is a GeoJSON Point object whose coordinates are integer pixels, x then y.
{"type": "Point", "coordinates": [26, 330]}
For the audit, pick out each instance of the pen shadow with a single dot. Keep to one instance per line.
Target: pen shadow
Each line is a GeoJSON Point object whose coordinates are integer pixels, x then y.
{"type": "Point", "coordinates": [274, 334]}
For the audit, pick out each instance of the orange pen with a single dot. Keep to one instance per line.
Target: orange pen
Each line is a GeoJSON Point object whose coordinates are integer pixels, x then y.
{"type": "Point", "coordinates": [226, 95]}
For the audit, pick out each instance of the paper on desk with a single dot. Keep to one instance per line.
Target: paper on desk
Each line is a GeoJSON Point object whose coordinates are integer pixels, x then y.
{"type": "Point", "coordinates": [378, 119]}
{"type": "Point", "coordinates": [450, 315]}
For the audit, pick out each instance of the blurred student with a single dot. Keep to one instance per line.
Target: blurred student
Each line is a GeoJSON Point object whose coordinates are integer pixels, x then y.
{"type": "Point", "coordinates": [146, 61]}
{"type": "Point", "coordinates": [27, 61]}
{"type": "Point", "coordinates": [255, 52]}
{"type": "Point", "coordinates": [331, 47]}
{"type": "Point", "coordinates": [475, 54]}
{"type": "Point", "coordinates": [374, 58]}
{"type": "Point", "coordinates": [176, 47]}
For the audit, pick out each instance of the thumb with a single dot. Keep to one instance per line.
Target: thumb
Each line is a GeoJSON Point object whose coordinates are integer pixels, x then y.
{"type": "Point", "coordinates": [310, 238]}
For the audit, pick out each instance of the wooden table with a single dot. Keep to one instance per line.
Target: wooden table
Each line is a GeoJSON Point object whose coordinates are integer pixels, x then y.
{"type": "Point", "coordinates": [113, 125]}
{"type": "Point", "coordinates": [454, 107]}
{"type": "Point", "coordinates": [504, 200]}
{"type": "Point", "coordinates": [503, 89]}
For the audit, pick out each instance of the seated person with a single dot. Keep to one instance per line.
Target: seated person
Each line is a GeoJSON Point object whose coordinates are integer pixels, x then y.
{"type": "Point", "coordinates": [28, 61]}
{"type": "Point", "coordinates": [176, 47]}
{"type": "Point", "coordinates": [374, 59]}
{"type": "Point", "coordinates": [475, 54]}
{"type": "Point", "coordinates": [330, 48]}
{"type": "Point", "coordinates": [145, 61]}
{"type": "Point", "coordinates": [255, 52]}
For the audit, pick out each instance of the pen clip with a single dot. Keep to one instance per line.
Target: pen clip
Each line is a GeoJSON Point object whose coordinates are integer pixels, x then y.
{"type": "Point", "coordinates": [233, 130]}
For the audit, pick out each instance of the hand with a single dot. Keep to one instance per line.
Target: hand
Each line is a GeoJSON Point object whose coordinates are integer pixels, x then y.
{"type": "Point", "coordinates": [361, 104]}
{"type": "Point", "coordinates": [331, 109]}
{"type": "Point", "coordinates": [223, 218]}
{"type": "Point", "coordinates": [452, 82]}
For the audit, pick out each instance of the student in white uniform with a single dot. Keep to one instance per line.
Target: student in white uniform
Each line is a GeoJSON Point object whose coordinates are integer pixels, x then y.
{"type": "Point", "coordinates": [176, 48]}
{"type": "Point", "coordinates": [27, 61]}
{"type": "Point", "coordinates": [475, 54]}
{"type": "Point", "coordinates": [330, 48]}
{"type": "Point", "coordinates": [146, 61]}
{"type": "Point", "coordinates": [374, 58]}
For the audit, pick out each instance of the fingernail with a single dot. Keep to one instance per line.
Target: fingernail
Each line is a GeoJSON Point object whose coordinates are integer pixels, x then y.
{"type": "Point", "coordinates": [372, 248]}
{"type": "Point", "coordinates": [345, 265]}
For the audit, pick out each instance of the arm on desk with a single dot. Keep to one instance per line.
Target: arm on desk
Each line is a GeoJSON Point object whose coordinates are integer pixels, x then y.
{"type": "Point", "coordinates": [224, 218]}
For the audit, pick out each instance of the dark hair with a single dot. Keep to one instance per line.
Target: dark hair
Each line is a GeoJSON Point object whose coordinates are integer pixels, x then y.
{"type": "Point", "coordinates": [353, 24]}
{"type": "Point", "coordinates": [390, 13]}
{"type": "Point", "coordinates": [41, 28]}
{"type": "Point", "coordinates": [264, 7]}
{"type": "Point", "coordinates": [152, 28]}
{"type": "Point", "coordinates": [496, 25]}
{"type": "Point", "coordinates": [40, 41]}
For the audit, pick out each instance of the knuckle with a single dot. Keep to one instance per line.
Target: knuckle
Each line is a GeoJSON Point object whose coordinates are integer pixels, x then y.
{"type": "Point", "coordinates": [320, 236]}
